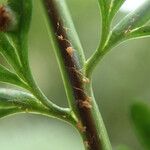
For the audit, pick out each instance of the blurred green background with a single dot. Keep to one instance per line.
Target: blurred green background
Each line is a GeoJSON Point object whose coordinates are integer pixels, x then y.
{"type": "Point", "coordinates": [121, 78]}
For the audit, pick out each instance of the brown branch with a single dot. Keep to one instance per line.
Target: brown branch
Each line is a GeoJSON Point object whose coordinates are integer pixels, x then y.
{"type": "Point", "coordinates": [86, 125]}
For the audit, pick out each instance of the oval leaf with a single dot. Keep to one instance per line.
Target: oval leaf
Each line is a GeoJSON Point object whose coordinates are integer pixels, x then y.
{"type": "Point", "coordinates": [14, 101]}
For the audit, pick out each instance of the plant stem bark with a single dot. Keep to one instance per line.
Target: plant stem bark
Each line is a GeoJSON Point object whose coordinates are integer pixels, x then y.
{"type": "Point", "coordinates": [71, 61]}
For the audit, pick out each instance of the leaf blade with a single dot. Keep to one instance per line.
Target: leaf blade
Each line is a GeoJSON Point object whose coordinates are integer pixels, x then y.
{"type": "Point", "coordinates": [135, 19]}
{"type": "Point", "coordinates": [14, 43]}
{"type": "Point", "coordinates": [109, 8]}
{"type": "Point", "coordinates": [130, 23]}
{"type": "Point", "coordinates": [8, 111]}
{"type": "Point", "coordinates": [8, 77]}
{"type": "Point", "coordinates": [8, 51]}
{"type": "Point", "coordinates": [23, 9]}
{"type": "Point", "coordinates": [15, 101]}
{"type": "Point", "coordinates": [114, 7]}
{"type": "Point", "coordinates": [140, 32]}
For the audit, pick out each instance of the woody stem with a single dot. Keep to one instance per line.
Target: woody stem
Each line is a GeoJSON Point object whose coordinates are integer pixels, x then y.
{"type": "Point", "coordinates": [71, 60]}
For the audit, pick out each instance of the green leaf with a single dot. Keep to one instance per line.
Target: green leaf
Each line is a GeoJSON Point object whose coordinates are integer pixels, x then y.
{"type": "Point", "coordinates": [8, 111]}
{"type": "Point", "coordinates": [14, 101]}
{"type": "Point", "coordinates": [124, 29]}
{"type": "Point", "coordinates": [103, 6]}
{"type": "Point", "coordinates": [140, 113]}
{"type": "Point", "coordinates": [11, 78]}
{"type": "Point", "coordinates": [114, 7]}
{"type": "Point", "coordinates": [135, 19]}
{"type": "Point", "coordinates": [14, 42]}
{"type": "Point", "coordinates": [8, 50]}
{"type": "Point", "coordinates": [139, 32]}
{"type": "Point", "coordinates": [109, 9]}
{"type": "Point", "coordinates": [23, 11]}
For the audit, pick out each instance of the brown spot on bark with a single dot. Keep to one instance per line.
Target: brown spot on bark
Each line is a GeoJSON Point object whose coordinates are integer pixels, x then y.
{"type": "Point", "coordinates": [81, 127]}
{"type": "Point", "coordinates": [78, 89]}
{"type": "Point", "coordinates": [70, 50]}
{"type": "Point", "coordinates": [85, 104]}
{"type": "Point", "coordinates": [86, 143]}
{"type": "Point", "coordinates": [86, 80]}
{"type": "Point", "coordinates": [128, 30]}
{"type": "Point", "coordinates": [64, 116]}
{"type": "Point", "coordinates": [58, 24]}
{"type": "Point", "coordinates": [60, 37]}
{"type": "Point", "coordinates": [66, 29]}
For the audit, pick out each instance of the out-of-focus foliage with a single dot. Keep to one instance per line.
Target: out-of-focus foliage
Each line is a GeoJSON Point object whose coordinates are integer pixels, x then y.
{"type": "Point", "coordinates": [140, 113]}
{"type": "Point", "coordinates": [122, 147]}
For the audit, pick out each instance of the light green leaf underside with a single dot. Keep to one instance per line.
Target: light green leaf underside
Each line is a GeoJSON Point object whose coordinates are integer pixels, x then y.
{"type": "Point", "coordinates": [135, 19]}
{"type": "Point", "coordinates": [132, 26]}
{"type": "Point", "coordinates": [140, 32]}
{"type": "Point", "coordinates": [14, 101]}
{"type": "Point", "coordinates": [140, 113]}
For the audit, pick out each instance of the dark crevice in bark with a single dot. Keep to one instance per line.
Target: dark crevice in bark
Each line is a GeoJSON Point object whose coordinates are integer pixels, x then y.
{"type": "Point", "coordinates": [87, 124]}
